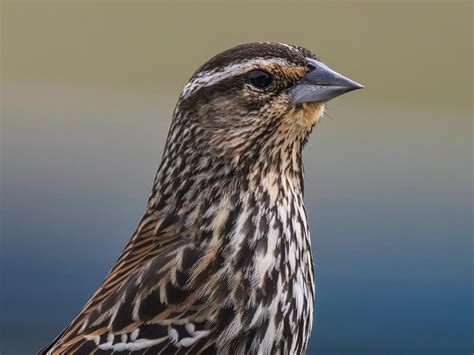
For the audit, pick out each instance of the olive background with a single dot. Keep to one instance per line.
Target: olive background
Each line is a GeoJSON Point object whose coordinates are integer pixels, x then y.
{"type": "Point", "coordinates": [88, 88]}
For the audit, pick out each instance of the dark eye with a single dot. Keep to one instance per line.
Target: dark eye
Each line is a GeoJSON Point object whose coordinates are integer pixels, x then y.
{"type": "Point", "coordinates": [260, 79]}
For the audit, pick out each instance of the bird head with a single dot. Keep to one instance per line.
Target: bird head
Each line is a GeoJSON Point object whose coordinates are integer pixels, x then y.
{"type": "Point", "coordinates": [257, 94]}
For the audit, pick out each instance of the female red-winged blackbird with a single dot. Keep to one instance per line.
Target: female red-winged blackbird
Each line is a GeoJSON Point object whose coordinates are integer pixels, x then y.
{"type": "Point", "coordinates": [221, 261]}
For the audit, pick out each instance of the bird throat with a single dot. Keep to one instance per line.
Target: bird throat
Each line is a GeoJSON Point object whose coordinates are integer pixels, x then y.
{"type": "Point", "coordinates": [307, 114]}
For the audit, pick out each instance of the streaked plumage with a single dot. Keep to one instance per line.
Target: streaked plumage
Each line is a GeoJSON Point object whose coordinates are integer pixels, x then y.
{"type": "Point", "coordinates": [221, 261]}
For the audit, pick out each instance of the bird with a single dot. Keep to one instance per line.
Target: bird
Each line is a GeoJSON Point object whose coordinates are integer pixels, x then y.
{"type": "Point", "coordinates": [221, 261]}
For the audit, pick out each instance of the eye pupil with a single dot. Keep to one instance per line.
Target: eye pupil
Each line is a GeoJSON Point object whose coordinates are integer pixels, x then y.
{"type": "Point", "coordinates": [260, 79]}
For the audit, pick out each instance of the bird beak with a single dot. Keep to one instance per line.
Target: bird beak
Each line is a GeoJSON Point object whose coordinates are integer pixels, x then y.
{"type": "Point", "coordinates": [321, 84]}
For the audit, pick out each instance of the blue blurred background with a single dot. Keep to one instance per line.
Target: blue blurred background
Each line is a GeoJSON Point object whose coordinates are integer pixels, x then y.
{"type": "Point", "coordinates": [87, 94]}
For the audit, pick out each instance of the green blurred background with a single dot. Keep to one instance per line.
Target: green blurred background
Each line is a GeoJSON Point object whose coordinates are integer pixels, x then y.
{"type": "Point", "coordinates": [88, 88]}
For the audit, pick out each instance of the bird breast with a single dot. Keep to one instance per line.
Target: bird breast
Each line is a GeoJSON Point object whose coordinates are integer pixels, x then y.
{"type": "Point", "coordinates": [269, 258]}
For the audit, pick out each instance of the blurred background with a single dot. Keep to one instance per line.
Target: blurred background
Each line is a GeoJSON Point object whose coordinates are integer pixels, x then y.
{"type": "Point", "coordinates": [88, 88]}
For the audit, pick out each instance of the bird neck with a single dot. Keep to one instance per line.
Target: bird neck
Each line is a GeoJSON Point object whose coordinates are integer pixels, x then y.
{"type": "Point", "coordinates": [190, 172]}
{"type": "Point", "coordinates": [247, 213]}
{"type": "Point", "coordinates": [257, 202]}
{"type": "Point", "coordinates": [211, 191]}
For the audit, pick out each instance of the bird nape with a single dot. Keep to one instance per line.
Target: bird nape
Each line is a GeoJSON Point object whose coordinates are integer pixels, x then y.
{"type": "Point", "coordinates": [221, 261]}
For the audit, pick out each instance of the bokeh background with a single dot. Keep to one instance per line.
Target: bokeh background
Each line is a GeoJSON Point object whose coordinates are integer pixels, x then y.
{"type": "Point", "coordinates": [88, 88]}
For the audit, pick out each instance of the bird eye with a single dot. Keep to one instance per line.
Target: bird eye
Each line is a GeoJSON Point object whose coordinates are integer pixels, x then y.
{"type": "Point", "coordinates": [260, 79]}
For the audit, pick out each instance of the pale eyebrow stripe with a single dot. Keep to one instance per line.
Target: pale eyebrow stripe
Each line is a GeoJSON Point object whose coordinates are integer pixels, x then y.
{"type": "Point", "coordinates": [211, 77]}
